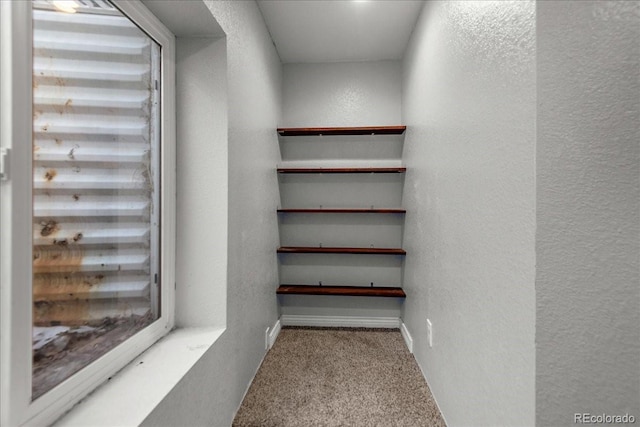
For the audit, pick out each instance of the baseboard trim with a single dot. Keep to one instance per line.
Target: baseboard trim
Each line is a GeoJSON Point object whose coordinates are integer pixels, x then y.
{"type": "Point", "coordinates": [340, 321]}
{"type": "Point", "coordinates": [408, 340]}
{"type": "Point", "coordinates": [275, 331]}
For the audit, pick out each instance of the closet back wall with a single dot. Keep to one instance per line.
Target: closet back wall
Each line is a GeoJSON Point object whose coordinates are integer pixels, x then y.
{"type": "Point", "coordinates": [341, 94]}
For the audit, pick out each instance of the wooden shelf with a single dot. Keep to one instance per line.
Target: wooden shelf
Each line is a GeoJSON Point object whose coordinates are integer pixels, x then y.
{"type": "Point", "coordinates": [344, 210]}
{"type": "Point", "coordinates": [342, 170]}
{"type": "Point", "coordinates": [341, 290]}
{"type": "Point", "coordinates": [365, 130]}
{"type": "Point", "coordinates": [339, 250]}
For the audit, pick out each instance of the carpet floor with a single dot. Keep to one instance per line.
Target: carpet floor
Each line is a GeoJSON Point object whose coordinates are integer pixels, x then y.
{"type": "Point", "coordinates": [338, 377]}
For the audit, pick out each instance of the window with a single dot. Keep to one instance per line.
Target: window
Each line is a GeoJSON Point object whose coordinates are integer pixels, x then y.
{"type": "Point", "coordinates": [88, 208]}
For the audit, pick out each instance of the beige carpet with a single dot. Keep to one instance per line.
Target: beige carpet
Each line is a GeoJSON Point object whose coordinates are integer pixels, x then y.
{"type": "Point", "coordinates": [338, 377]}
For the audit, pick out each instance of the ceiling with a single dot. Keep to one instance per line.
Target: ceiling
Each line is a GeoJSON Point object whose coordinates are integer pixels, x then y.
{"type": "Point", "coordinates": [340, 30]}
{"type": "Point", "coordinates": [193, 21]}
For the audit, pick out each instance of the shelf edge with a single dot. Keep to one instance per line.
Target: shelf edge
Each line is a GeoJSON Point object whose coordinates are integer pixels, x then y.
{"type": "Point", "coordinates": [352, 130]}
{"type": "Point", "coordinates": [381, 291]}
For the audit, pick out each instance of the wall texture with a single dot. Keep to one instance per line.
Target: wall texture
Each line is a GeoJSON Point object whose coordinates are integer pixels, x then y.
{"type": "Point", "coordinates": [588, 210]}
{"type": "Point", "coordinates": [468, 100]}
{"type": "Point", "coordinates": [202, 149]}
{"type": "Point", "coordinates": [212, 391]}
{"type": "Point", "coordinates": [341, 94]}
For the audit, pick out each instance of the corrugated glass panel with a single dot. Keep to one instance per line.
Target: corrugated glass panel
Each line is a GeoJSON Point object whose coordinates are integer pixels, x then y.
{"type": "Point", "coordinates": [95, 185]}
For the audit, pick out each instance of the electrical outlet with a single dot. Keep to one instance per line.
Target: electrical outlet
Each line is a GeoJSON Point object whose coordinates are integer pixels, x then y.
{"type": "Point", "coordinates": [266, 339]}
{"type": "Point", "coordinates": [429, 333]}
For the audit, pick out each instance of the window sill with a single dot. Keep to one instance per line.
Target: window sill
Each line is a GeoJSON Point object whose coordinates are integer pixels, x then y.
{"type": "Point", "coordinates": [144, 383]}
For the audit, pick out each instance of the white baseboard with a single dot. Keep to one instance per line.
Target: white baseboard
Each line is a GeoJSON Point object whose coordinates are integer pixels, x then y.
{"type": "Point", "coordinates": [340, 321]}
{"type": "Point", "coordinates": [275, 330]}
{"type": "Point", "coordinates": [407, 336]}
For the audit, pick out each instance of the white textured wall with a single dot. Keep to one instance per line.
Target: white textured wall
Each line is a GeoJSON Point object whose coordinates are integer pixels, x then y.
{"type": "Point", "coordinates": [212, 391]}
{"type": "Point", "coordinates": [469, 103]}
{"type": "Point", "coordinates": [341, 94]}
{"type": "Point", "coordinates": [202, 150]}
{"type": "Point", "coordinates": [588, 210]}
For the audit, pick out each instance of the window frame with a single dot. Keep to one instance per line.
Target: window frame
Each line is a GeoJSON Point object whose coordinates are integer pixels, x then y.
{"type": "Point", "coordinates": [16, 68]}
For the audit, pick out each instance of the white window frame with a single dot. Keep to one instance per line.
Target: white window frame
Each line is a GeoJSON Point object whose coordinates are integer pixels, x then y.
{"type": "Point", "coordinates": [16, 273]}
